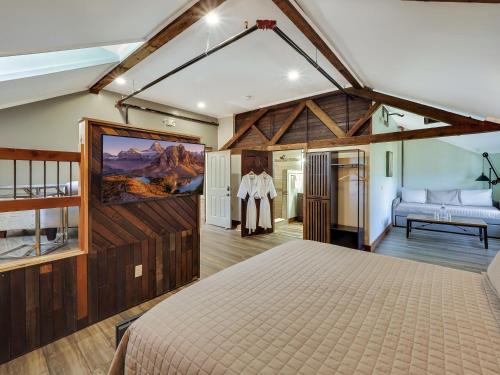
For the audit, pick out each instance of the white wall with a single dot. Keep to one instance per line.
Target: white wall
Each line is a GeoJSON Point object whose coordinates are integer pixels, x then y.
{"type": "Point", "coordinates": [226, 130]}
{"type": "Point", "coordinates": [433, 164]}
{"type": "Point", "coordinates": [382, 189]}
{"type": "Point", "coordinates": [53, 125]}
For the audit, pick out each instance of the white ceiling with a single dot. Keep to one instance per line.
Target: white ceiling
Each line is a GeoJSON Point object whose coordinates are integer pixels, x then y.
{"type": "Point", "coordinates": [446, 54]}
{"type": "Point", "coordinates": [443, 54]}
{"type": "Point", "coordinates": [255, 66]}
{"type": "Point", "coordinates": [27, 90]}
{"type": "Point", "coordinates": [29, 26]}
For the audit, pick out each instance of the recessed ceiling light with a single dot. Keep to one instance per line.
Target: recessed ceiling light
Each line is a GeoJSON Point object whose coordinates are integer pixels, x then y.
{"type": "Point", "coordinates": [212, 18]}
{"type": "Point", "coordinates": [293, 75]}
{"type": "Point", "coordinates": [201, 105]}
{"type": "Point", "coordinates": [120, 80]}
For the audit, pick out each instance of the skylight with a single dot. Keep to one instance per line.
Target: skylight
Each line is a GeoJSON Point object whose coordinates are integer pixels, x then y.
{"type": "Point", "coordinates": [23, 66]}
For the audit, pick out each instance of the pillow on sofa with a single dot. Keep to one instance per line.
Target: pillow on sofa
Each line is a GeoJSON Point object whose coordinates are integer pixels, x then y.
{"type": "Point", "coordinates": [477, 197]}
{"type": "Point", "coordinates": [493, 272]}
{"type": "Point", "coordinates": [414, 195]}
{"type": "Point", "coordinates": [449, 197]}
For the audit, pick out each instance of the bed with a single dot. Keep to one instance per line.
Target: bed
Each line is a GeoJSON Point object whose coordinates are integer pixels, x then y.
{"type": "Point", "coordinates": [307, 307]}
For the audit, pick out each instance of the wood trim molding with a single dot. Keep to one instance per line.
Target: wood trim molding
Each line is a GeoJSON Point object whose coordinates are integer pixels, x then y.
{"type": "Point", "coordinates": [301, 23]}
{"type": "Point", "coordinates": [165, 35]}
{"type": "Point", "coordinates": [38, 155]}
{"type": "Point", "coordinates": [11, 205]}
{"type": "Point", "coordinates": [325, 119]}
{"type": "Point", "coordinates": [288, 122]}
{"type": "Point", "coordinates": [363, 119]}
{"type": "Point", "coordinates": [249, 122]}
{"type": "Point", "coordinates": [373, 246]}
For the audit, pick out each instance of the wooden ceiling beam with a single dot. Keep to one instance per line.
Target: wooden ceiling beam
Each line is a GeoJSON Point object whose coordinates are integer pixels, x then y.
{"type": "Point", "coordinates": [247, 124]}
{"type": "Point", "coordinates": [417, 108]}
{"type": "Point", "coordinates": [165, 35]}
{"type": "Point", "coordinates": [325, 119]}
{"type": "Point", "coordinates": [260, 134]}
{"type": "Point", "coordinates": [301, 23]}
{"type": "Point", "coordinates": [288, 122]}
{"type": "Point", "coordinates": [363, 119]}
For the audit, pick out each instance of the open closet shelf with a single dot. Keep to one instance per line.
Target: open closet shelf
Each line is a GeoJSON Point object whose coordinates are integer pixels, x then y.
{"type": "Point", "coordinates": [345, 228]}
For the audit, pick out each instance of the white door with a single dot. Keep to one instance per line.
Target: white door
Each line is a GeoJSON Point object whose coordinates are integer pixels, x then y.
{"type": "Point", "coordinates": [218, 199]}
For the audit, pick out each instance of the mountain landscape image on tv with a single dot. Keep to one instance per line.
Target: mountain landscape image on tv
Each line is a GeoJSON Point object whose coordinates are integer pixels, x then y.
{"type": "Point", "coordinates": [135, 169]}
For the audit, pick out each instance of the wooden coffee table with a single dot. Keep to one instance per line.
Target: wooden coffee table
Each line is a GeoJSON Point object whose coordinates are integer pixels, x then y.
{"type": "Point", "coordinates": [459, 222]}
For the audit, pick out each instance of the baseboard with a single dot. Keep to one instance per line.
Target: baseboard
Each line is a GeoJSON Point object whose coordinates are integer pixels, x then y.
{"type": "Point", "coordinates": [371, 248]}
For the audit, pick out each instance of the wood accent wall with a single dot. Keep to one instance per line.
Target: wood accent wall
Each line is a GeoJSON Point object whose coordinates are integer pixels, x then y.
{"type": "Point", "coordinates": [317, 198]}
{"type": "Point", "coordinates": [42, 303]}
{"type": "Point", "coordinates": [305, 125]}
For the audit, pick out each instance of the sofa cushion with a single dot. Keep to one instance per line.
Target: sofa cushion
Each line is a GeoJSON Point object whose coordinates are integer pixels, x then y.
{"type": "Point", "coordinates": [482, 197]}
{"type": "Point", "coordinates": [414, 195]}
{"type": "Point", "coordinates": [447, 197]}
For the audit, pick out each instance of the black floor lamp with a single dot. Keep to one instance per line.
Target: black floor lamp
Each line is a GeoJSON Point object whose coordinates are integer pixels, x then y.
{"type": "Point", "coordinates": [484, 178]}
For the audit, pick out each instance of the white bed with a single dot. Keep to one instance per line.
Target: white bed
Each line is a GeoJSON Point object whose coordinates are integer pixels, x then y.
{"type": "Point", "coordinates": [306, 307]}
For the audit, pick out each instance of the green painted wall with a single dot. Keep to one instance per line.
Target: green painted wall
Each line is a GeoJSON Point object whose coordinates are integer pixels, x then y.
{"type": "Point", "coordinates": [434, 164]}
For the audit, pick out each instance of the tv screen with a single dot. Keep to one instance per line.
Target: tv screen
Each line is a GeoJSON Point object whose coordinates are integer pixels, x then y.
{"type": "Point", "coordinates": [136, 169]}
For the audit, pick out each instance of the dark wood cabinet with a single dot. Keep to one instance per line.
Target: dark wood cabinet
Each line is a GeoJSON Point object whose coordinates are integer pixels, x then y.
{"type": "Point", "coordinates": [334, 207]}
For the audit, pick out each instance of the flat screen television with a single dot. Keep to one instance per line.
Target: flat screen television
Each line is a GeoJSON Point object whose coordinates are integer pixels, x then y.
{"type": "Point", "coordinates": [137, 169]}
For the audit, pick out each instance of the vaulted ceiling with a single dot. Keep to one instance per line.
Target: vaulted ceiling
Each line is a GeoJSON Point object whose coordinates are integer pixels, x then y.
{"type": "Point", "coordinates": [443, 54]}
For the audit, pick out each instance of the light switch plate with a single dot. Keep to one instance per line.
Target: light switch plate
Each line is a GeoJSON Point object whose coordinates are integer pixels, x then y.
{"type": "Point", "coordinates": [138, 270]}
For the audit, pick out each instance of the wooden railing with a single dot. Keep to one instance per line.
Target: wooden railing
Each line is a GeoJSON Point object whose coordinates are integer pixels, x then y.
{"type": "Point", "coordinates": [32, 201]}
{"type": "Point", "coordinates": [43, 195]}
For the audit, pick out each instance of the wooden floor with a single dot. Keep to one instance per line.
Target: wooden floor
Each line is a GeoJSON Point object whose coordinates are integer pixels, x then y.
{"type": "Point", "coordinates": [91, 350]}
{"type": "Point", "coordinates": [449, 250]}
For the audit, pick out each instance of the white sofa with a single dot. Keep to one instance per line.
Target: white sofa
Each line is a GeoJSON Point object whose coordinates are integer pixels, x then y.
{"type": "Point", "coordinates": [459, 203]}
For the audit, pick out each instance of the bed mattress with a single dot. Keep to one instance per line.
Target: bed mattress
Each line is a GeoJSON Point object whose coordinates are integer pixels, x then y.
{"type": "Point", "coordinates": [306, 307]}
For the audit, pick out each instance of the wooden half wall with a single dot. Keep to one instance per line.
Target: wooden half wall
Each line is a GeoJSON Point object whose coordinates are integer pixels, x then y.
{"type": "Point", "coordinates": [44, 302]}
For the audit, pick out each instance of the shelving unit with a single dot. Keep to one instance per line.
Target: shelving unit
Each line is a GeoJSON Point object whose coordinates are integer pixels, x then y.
{"type": "Point", "coordinates": [335, 197]}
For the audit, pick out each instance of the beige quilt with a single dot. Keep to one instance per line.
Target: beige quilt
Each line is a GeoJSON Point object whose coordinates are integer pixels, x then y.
{"type": "Point", "coordinates": [306, 307]}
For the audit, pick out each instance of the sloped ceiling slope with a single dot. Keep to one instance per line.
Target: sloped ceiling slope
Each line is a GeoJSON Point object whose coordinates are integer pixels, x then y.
{"type": "Point", "coordinates": [444, 54]}
{"type": "Point", "coordinates": [246, 75]}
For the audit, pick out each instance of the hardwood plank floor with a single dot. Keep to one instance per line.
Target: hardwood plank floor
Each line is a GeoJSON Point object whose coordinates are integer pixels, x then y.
{"type": "Point", "coordinates": [90, 351]}
{"type": "Point", "coordinates": [445, 249]}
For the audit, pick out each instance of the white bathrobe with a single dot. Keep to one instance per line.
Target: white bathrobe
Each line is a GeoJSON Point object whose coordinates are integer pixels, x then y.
{"type": "Point", "coordinates": [250, 186]}
{"type": "Point", "coordinates": [266, 186]}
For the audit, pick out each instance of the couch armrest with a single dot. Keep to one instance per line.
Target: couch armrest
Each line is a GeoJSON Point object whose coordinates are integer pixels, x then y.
{"type": "Point", "coordinates": [395, 202]}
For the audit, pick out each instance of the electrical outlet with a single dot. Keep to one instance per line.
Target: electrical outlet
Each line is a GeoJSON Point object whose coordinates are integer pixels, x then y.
{"type": "Point", "coordinates": [138, 270]}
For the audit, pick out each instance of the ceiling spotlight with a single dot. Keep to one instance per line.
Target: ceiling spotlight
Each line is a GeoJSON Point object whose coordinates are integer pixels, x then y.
{"type": "Point", "coordinates": [201, 105]}
{"type": "Point", "coordinates": [293, 75]}
{"type": "Point", "coordinates": [120, 80]}
{"type": "Point", "coordinates": [212, 18]}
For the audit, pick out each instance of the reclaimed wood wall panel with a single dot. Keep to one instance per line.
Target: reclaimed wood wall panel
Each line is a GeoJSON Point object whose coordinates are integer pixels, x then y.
{"type": "Point", "coordinates": [37, 306]}
{"type": "Point", "coordinates": [42, 303]}
{"type": "Point", "coordinates": [307, 126]}
{"type": "Point", "coordinates": [157, 235]}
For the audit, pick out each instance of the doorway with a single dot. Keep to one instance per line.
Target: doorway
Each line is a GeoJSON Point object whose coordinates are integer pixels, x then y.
{"type": "Point", "coordinates": [288, 167]}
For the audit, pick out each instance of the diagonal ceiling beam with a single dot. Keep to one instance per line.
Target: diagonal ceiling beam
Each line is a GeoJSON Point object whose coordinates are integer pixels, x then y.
{"type": "Point", "coordinates": [288, 122]}
{"type": "Point", "coordinates": [247, 124]}
{"type": "Point", "coordinates": [165, 35]}
{"type": "Point", "coordinates": [260, 134]}
{"type": "Point", "coordinates": [363, 119]}
{"type": "Point", "coordinates": [298, 20]}
{"type": "Point", "coordinates": [417, 108]}
{"type": "Point", "coordinates": [325, 119]}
